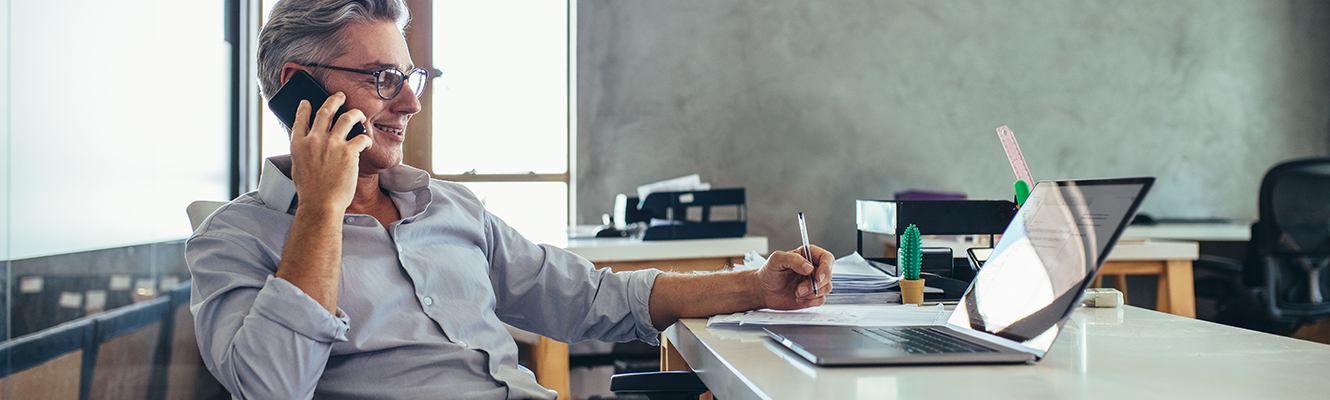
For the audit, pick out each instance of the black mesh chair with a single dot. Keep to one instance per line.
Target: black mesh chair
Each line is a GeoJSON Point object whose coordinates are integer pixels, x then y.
{"type": "Point", "coordinates": [1290, 246]}
{"type": "Point", "coordinates": [1284, 281]}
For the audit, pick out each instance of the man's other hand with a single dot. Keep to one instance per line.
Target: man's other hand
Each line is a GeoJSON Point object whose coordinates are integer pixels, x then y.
{"type": "Point", "coordinates": [785, 283]}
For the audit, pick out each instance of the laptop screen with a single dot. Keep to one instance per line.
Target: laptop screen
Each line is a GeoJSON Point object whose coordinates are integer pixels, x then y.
{"type": "Point", "coordinates": [1046, 258]}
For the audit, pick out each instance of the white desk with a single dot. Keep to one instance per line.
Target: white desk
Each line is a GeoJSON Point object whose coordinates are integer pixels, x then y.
{"type": "Point", "coordinates": [1127, 353]}
{"type": "Point", "coordinates": [550, 358]}
{"type": "Point", "coordinates": [601, 250]}
{"type": "Point", "coordinates": [1218, 232]}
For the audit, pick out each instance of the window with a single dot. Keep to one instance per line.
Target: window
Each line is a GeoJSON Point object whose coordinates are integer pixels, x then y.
{"type": "Point", "coordinates": [500, 112]}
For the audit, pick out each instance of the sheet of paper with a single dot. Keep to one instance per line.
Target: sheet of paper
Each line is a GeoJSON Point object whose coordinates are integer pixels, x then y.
{"type": "Point", "coordinates": [837, 315]}
{"type": "Point", "coordinates": [891, 297]}
{"type": "Point", "coordinates": [853, 274]}
{"type": "Point", "coordinates": [680, 184]}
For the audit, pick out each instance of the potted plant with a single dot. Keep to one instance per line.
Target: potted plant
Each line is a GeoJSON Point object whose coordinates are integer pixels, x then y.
{"type": "Point", "coordinates": [911, 260]}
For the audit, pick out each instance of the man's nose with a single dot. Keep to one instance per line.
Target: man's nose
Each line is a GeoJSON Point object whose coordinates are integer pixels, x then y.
{"type": "Point", "coordinates": [406, 102]}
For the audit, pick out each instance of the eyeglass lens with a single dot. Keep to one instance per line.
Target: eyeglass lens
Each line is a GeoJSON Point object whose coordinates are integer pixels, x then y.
{"type": "Point", "coordinates": [390, 82]}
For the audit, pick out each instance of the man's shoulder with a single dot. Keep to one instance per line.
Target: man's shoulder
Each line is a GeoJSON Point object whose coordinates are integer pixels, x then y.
{"type": "Point", "coordinates": [246, 215]}
{"type": "Point", "coordinates": [453, 191]}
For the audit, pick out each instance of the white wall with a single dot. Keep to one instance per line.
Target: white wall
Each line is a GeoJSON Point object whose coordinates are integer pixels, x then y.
{"type": "Point", "coordinates": [117, 117]}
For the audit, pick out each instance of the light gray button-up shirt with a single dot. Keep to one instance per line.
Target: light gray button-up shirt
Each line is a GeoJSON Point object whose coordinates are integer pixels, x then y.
{"type": "Point", "coordinates": [420, 302]}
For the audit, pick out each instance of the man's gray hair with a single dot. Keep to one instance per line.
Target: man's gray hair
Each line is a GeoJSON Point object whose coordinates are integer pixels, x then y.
{"type": "Point", "coordinates": [309, 31]}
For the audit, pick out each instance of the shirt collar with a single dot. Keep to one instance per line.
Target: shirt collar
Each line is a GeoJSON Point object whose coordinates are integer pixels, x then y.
{"type": "Point", "coordinates": [278, 192]}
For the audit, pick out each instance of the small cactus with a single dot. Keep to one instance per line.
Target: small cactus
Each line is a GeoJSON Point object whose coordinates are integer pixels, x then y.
{"type": "Point", "coordinates": [910, 257]}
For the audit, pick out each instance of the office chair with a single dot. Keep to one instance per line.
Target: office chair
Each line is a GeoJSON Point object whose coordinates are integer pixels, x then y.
{"type": "Point", "coordinates": [1285, 281]}
{"type": "Point", "coordinates": [200, 210]}
{"type": "Point", "coordinates": [52, 364]}
{"type": "Point", "coordinates": [659, 385]}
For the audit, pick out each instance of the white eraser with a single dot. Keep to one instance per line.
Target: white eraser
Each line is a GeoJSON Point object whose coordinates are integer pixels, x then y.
{"type": "Point", "coordinates": [1102, 298]}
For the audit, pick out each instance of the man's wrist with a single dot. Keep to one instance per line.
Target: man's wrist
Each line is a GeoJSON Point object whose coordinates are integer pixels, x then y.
{"type": "Point", "coordinates": [756, 291]}
{"type": "Point", "coordinates": [319, 211]}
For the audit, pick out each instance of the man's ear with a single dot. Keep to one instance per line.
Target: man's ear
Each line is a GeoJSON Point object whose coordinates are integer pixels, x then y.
{"type": "Point", "coordinates": [289, 70]}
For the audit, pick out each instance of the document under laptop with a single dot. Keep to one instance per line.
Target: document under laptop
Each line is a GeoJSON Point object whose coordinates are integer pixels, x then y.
{"type": "Point", "coordinates": [1019, 300]}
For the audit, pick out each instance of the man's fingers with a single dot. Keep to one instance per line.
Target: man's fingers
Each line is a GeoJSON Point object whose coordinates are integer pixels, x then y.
{"type": "Point", "coordinates": [823, 257]}
{"type": "Point", "coordinates": [820, 258]}
{"type": "Point", "coordinates": [792, 260]}
{"type": "Point", "coordinates": [301, 125]}
{"type": "Point", "coordinates": [361, 143]}
{"type": "Point", "coordinates": [323, 118]}
{"type": "Point", "coordinates": [347, 121]}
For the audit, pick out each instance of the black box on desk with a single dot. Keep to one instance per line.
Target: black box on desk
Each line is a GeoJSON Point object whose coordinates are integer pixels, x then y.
{"type": "Point", "coordinates": [934, 217]}
{"type": "Point", "coordinates": [700, 214]}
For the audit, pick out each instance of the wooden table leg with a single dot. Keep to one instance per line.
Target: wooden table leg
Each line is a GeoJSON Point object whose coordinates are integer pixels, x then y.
{"type": "Point", "coordinates": [671, 360]}
{"type": "Point", "coordinates": [551, 366]}
{"type": "Point", "coordinates": [1176, 293]}
{"type": "Point", "coordinates": [1181, 288]}
{"type": "Point", "coordinates": [1120, 283]}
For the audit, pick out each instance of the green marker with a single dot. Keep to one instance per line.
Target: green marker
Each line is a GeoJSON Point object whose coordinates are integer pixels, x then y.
{"type": "Point", "coordinates": [1022, 191]}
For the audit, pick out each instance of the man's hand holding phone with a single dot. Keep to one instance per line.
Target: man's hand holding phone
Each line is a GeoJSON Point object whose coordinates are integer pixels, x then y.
{"type": "Point", "coordinates": [324, 163]}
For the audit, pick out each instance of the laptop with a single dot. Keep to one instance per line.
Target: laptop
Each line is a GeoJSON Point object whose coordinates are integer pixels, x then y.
{"type": "Point", "coordinates": [1017, 303]}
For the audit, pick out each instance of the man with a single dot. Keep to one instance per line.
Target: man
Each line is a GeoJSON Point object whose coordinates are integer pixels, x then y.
{"type": "Point", "coordinates": [349, 275]}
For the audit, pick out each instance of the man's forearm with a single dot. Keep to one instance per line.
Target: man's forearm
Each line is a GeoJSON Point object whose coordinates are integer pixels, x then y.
{"type": "Point", "coordinates": [312, 258]}
{"type": "Point", "coordinates": [675, 296]}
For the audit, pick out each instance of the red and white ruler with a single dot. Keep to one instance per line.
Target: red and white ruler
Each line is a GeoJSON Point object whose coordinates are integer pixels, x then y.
{"type": "Point", "coordinates": [1014, 155]}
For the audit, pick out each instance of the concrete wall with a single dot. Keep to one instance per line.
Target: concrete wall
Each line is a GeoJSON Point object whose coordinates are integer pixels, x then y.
{"type": "Point", "coordinates": [813, 104]}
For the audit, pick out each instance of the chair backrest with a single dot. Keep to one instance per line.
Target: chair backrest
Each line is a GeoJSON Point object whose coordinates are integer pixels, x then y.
{"type": "Point", "coordinates": [200, 210]}
{"type": "Point", "coordinates": [182, 367]}
{"type": "Point", "coordinates": [1291, 241]}
{"type": "Point", "coordinates": [127, 341]}
{"type": "Point", "coordinates": [48, 364]}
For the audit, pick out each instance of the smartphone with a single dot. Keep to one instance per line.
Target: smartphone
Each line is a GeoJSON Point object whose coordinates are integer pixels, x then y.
{"type": "Point", "coordinates": [302, 86]}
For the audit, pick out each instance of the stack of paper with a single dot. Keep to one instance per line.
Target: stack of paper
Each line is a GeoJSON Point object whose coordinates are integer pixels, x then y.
{"type": "Point", "coordinates": [853, 274]}
{"type": "Point", "coordinates": [853, 280]}
{"type": "Point", "coordinates": [681, 184]}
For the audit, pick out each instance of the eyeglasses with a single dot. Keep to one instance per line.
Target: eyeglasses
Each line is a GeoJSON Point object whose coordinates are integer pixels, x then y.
{"type": "Point", "coordinates": [388, 80]}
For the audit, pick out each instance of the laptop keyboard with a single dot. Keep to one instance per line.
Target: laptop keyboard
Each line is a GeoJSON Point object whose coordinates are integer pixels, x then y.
{"type": "Point", "coordinates": [921, 340]}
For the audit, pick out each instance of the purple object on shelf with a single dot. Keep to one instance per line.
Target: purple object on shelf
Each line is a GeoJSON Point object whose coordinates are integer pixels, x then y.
{"type": "Point", "coordinates": [928, 195]}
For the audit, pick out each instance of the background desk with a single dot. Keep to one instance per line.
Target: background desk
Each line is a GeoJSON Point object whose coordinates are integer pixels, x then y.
{"type": "Point", "coordinates": [1114, 354]}
{"type": "Point", "coordinates": [1170, 261]}
{"type": "Point", "coordinates": [1217, 232]}
{"type": "Point", "coordinates": [550, 357]}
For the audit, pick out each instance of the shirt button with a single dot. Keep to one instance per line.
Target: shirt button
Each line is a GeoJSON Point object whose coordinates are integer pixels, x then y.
{"type": "Point", "coordinates": [461, 343]}
{"type": "Point", "coordinates": [428, 302]}
{"type": "Point", "coordinates": [350, 219]}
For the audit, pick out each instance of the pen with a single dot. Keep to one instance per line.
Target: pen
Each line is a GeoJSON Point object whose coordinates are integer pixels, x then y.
{"type": "Point", "coordinates": [808, 253]}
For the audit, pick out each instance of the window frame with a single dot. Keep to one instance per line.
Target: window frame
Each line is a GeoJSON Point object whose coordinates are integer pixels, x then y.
{"type": "Point", "coordinates": [418, 149]}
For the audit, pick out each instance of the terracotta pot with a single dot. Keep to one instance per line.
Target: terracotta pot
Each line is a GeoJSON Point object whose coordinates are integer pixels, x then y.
{"type": "Point", "coordinates": [912, 291]}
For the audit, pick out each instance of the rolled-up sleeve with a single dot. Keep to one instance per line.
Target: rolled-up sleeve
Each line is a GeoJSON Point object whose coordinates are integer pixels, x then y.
{"type": "Point", "coordinates": [553, 292]}
{"type": "Point", "coordinates": [261, 336]}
